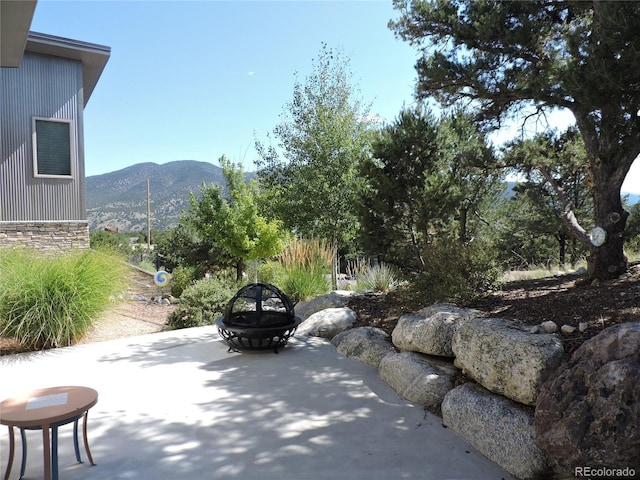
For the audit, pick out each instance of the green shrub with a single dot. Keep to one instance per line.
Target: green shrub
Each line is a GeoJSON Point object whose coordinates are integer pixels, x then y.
{"type": "Point", "coordinates": [147, 266]}
{"type": "Point", "coordinates": [632, 248]}
{"type": "Point", "coordinates": [272, 272]}
{"type": "Point", "coordinates": [110, 242]}
{"type": "Point", "coordinates": [184, 276]}
{"type": "Point", "coordinates": [51, 301]}
{"type": "Point", "coordinates": [202, 302]}
{"type": "Point", "coordinates": [296, 282]}
{"type": "Point", "coordinates": [455, 272]}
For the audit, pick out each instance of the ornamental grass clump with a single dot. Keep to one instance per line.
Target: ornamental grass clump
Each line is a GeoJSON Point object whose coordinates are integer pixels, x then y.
{"type": "Point", "coordinates": [306, 264]}
{"type": "Point", "coordinates": [379, 277]}
{"type": "Point", "coordinates": [48, 301]}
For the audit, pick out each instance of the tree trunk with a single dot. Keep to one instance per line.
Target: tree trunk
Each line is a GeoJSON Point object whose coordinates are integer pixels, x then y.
{"type": "Point", "coordinates": [414, 241]}
{"type": "Point", "coordinates": [562, 242]}
{"type": "Point", "coordinates": [334, 263]}
{"type": "Point", "coordinates": [574, 252]}
{"type": "Point", "coordinates": [463, 222]}
{"type": "Point", "coordinates": [608, 261]}
{"type": "Point", "coordinates": [239, 270]}
{"type": "Point", "coordinates": [608, 167]}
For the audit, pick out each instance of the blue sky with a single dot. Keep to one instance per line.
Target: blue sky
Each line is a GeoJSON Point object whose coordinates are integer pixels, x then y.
{"type": "Point", "coordinates": [193, 80]}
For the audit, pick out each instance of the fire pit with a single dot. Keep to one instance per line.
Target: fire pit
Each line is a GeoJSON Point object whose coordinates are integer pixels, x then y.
{"type": "Point", "coordinates": [258, 317]}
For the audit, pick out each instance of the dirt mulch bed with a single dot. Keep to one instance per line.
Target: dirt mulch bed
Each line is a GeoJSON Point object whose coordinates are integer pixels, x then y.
{"type": "Point", "coordinates": [561, 299]}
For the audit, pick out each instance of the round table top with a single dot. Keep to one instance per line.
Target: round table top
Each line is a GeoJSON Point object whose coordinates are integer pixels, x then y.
{"type": "Point", "coordinates": [46, 406]}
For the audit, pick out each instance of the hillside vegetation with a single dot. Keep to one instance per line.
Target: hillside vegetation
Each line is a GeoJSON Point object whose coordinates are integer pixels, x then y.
{"type": "Point", "coordinates": [119, 199]}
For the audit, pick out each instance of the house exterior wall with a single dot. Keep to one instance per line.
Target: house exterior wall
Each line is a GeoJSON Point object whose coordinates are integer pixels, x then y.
{"type": "Point", "coordinates": [49, 87]}
{"type": "Point", "coordinates": [45, 236]}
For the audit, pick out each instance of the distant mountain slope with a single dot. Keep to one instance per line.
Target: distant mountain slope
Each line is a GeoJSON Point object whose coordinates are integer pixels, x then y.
{"type": "Point", "coordinates": [632, 198]}
{"type": "Point", "coordinates": [119, 199]}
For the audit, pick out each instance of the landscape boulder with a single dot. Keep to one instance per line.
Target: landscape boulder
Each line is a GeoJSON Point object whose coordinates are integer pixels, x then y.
{"type": "Point", "coordinates": [327, 323]}
{"type": "Point", "coordinates": [365, 344]}
{"type": "Point", "coordinates": [505, 357]}
{"type": "Point", "coordinates": [335, 299]}
{"type": "Point", "coordinates": [497, 427]}
{"type": "Point", "coordinates": [431, 331]}
{"type": "Point", "coordinates": [587, 414]}
{"type": "Point", "coordinates": [418, 378]}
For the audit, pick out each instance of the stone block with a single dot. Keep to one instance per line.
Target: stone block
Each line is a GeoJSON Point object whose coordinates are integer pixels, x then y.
{"type": "Point", "coordinates": [336, 299]}
{"type": "Point", "coordinates": [505, 357]}
{"type": "Point", "coordinates": [500, 429]}
{"type": "Point", "coordinates": [587, 413]}
{"type": "Point", "coordinates": [327, 323]}
{"type": "Point", "coordinates": [431, 331]}
{"type": "Point", "coordinates": [418, 378]}
{"type": "Point", "coordinates": [365, 344]}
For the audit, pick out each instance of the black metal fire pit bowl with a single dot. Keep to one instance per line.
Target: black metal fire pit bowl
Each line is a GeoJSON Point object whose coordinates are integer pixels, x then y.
{"type": "Point", "coordinates": [258, 317]}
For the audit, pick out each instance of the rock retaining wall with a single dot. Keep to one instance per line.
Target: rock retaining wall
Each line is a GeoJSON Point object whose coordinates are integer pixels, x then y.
{"type": "Point", "coordinates": [503, 387]}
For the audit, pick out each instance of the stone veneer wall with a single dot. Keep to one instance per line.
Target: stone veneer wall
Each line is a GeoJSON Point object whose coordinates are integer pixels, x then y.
{"type": "Point", "coordinates": [46, 235]}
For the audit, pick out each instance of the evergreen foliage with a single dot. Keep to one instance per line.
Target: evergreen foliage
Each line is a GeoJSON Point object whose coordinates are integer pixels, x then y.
{"type": "Point", "coordinates": [509, 56]}
{"type": "Point", "coordinates": [632, 233]}
{"type": "Point", "coordinates": [428, 178]}
{"type": "Point", "coordinates": [532, 232]}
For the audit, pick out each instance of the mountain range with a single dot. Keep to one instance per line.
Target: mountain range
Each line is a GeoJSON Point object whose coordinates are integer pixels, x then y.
{"type": "Point", "coordinates": [119, 199]}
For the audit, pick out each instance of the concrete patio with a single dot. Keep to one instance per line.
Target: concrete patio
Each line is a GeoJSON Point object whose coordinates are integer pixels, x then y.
{"type": "Point", "coordinates": [178, 405]}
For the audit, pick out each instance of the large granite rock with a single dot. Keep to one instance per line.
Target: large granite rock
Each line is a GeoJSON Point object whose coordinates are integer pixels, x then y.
{"type": "Point", "coordinates": [431, 331]}
{"type": "Point", "coordinates": [327, 323]}
{"type": "Point", "coordinates": [497, 427]}
{"type": "Point", "coordinates": [587, 414]}
{"type": "Point", "coordinates": [505, 358]}
{"type": "Point", "coordinates": [418, 378]}
{"type": "Point", "coordinates": [335, 299]}
{"type": "Point", "coordinates": [365, 344]}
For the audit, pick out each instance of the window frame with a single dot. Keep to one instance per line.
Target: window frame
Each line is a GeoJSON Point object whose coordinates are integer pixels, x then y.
{"type": "Point", "coordinates": [72, 147]}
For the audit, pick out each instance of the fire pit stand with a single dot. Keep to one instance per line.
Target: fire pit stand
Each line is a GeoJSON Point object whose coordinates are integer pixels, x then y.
{"type": "Point", "coordinates": [258, 317]}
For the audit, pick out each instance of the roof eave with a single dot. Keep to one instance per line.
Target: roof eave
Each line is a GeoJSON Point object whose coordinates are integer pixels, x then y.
{"type": "Point", "coordinates": [94, 57]}
{"type": "Point", "coordinates": [15, 21]}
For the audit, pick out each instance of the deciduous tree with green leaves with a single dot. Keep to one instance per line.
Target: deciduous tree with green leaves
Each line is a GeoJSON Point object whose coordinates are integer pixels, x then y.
{"type": "Point", "coordinates": [580, 56]}
{"type": "Point", "coordinates": [311, 172]}
{"type": "Point", "coordinates": [233, 224]}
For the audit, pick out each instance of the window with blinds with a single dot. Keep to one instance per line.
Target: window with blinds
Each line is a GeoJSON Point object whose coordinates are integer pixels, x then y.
{"type": "Point", "coordinates": [53, 151]}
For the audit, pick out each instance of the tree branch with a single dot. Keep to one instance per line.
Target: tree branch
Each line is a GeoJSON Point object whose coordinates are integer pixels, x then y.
{"type": "Point", "coordinates": [567, 215]}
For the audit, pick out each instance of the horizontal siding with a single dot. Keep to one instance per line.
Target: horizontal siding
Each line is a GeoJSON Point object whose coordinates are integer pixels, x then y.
{"type": "Point", "coordinates": [48, 87]}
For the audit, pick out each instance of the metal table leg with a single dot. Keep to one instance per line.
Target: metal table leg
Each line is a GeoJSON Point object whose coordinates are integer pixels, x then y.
{"type": "Point", "coordinates": [12, 446]}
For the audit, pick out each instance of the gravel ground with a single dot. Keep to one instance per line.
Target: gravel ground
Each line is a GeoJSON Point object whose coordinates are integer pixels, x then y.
{"type": "Point", "coordinates": [128, 319]}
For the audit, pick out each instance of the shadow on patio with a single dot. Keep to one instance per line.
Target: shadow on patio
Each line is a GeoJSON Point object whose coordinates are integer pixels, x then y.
{"type": "Point", "coordinates": [179, 405]}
